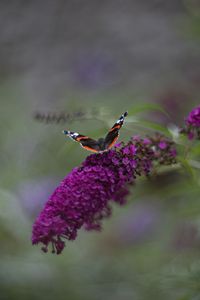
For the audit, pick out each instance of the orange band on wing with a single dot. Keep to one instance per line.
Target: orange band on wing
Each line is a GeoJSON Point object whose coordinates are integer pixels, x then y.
{"type": "Point", "coordinates": [113, 142]}
{"type": "Point", "coordinates": [116, 127]}
{"type": "Point", "coordinates": [81, 138]}
{"type": "Point", "coordinates": [90, 149]}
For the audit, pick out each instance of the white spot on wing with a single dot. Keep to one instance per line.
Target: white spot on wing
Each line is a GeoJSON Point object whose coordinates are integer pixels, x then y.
{"type": "Point", "coordinates": [121, 119]}
{"type": "Point", "coordinates": [75, 134]}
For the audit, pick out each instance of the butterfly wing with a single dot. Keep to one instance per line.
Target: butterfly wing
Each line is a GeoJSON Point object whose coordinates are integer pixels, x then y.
{"type": "Point", "coordinates": [86, 142]}
{"type": "Point", "coordinates": [113, 133]}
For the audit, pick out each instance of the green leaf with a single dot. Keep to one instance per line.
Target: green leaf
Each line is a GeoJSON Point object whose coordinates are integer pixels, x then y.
{"type": "Point", "coordinates": [146, 107]}
{"type": "Point", "coordinates": [195, 150]}
{"type": "Point", "coordinates": [186, 165]}
{"type": "Point", "coordinates": [153, 126]}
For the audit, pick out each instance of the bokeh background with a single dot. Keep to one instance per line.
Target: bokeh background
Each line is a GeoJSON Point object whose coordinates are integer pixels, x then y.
{"type": "Point", "coordinates": [92, 60]}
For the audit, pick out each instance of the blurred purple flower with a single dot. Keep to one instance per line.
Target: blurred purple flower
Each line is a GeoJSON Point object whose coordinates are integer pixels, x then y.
{"type": "Point", "coordinates": [193, 118]}
{"type": "Point", "coordinates": [139, 223]}
{"type": "Point", "coordinates": [173, 101]}
{"type": "Point", "coordinates": [34, 193]}
{"type": "Point", "coordinates": [162, 145]}
{"type": "Point", "coordinates": [192, 128]}
{"type": "Point", "coordinates": [93, 69]}
{"type": "Point", "coordinates": [83, 197]}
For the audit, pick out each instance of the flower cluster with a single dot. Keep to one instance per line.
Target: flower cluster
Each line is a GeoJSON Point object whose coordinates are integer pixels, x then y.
{"type": "Point", "coordinates": [192, 124]}
{"type": "Point", "coordinates": [83, 198]}
{"type": "Point", "coordinates": [164, 149]}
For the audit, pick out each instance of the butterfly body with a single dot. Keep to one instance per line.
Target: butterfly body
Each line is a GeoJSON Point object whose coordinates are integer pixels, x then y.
{"type": "Point", "coordinates": [102, 144]}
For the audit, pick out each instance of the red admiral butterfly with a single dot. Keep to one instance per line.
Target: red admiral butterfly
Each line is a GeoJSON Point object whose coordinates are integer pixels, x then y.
{"type": "Point", "coordinates": [101, 144]}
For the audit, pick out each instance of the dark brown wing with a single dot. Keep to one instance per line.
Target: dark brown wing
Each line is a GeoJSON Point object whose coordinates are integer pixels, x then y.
{"type": "Point", "coordinates": [86, 142]}
{"type": "Point", "coordinates": [111, 138]}
{"type": "Point", "coordinates": [113, 133]}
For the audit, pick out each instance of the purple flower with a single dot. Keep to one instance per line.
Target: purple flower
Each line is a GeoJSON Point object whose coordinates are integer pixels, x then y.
{"type": "Point", "coordinates": [118, 145]}
{"type": "Point", "coordinates": [129, 150]}
{"type": "Point", "coordinates": [162, 145]}
{"type": "Point", "coordinates": [192, 127]}
{"type": "Point", "coordinates": [193, 118]}
{"type": "Point", "coordinates": [164, 149]}
{"type": "Point", "coordinates": [83, 198]}
{"type": "Point", "coordinates": [146, 141]}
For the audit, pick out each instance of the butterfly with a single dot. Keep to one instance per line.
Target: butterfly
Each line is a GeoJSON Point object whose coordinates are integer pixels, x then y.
{"type": "Point", "coordinates": [102, 144]}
